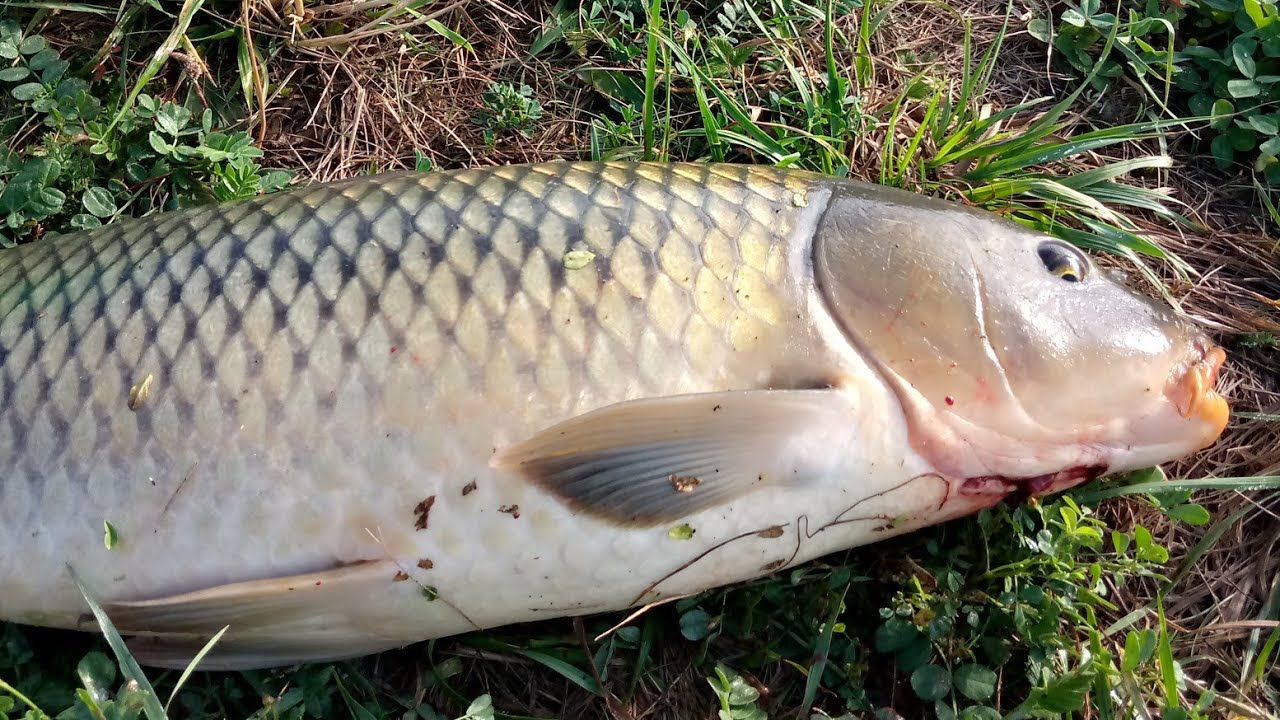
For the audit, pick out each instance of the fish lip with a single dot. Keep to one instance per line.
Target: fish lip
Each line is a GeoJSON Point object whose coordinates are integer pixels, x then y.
{"type": "Point", "coordinates": [1192, 389]}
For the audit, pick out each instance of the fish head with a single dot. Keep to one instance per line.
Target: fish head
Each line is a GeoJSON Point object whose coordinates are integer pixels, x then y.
{"type": "Point", "coordinates": [1015, 357]}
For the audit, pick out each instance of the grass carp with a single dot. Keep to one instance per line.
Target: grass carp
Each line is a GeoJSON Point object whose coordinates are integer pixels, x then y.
{"type": "Point", "coordinates": [351, 416]}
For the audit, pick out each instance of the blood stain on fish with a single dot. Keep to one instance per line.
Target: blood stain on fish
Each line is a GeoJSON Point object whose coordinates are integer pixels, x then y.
{"type": "Point", "coordinates": [512, 510]}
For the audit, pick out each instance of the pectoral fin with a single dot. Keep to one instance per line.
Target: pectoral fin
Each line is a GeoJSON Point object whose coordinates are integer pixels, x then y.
{"type": "Point", "coordinates": [272, 622]}
{"type": "Point", "coordinates": [645, 462]}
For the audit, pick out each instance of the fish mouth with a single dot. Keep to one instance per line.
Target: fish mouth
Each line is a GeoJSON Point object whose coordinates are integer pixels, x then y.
{"type": "Point", "coordinates": [1193, 392]}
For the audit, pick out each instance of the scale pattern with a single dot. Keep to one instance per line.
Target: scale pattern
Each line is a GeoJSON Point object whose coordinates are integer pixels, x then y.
{"type": "Point", "coordinates": [314, 355]}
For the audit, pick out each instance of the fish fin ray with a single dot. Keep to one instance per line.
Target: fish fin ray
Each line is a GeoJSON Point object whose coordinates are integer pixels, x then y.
{"type": "Point", "coordinates": [272, 621]}
{"type": "Point", "coordinates": [644, 462]}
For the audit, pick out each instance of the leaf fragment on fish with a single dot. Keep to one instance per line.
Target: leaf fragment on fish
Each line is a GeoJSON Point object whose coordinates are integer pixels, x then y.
{"type": "Point", "coordinates": [578, 259]}
{"type": "Point", "coordinates": [139, 393]}
{"type": "Point", "coordinates": [681, 532]}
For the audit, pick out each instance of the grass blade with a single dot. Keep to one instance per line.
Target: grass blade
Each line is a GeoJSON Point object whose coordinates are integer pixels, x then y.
{"type": "Point", "coordinates": [158, 59]}
{"type": "Point", "coordinates": [1261, 482]}
{"type": "Point", "coordinates": [129, 666]}
{"type": "Point", "coordinates": [186, 673]}
{"type": "Point", "coordinates": [1164, 651]}
{"type": "Point", "coordinates": [569, 672]}
{"type": "Point", "coordinates": [821, 651]}
{"type": "Point", "coordinates": [650, 75]}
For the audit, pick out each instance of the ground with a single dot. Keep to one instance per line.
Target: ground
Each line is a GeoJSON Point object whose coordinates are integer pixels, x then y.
{"type": "Point", "coordinates": [334, 91]}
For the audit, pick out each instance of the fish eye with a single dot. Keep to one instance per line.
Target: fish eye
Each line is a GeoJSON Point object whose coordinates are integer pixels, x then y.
{"type": "Point", "coordinates": [1063, 260]}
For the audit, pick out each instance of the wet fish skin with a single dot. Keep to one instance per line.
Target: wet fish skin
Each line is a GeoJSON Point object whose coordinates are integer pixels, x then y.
{"type": "Point", "coordinates": [335, 376]}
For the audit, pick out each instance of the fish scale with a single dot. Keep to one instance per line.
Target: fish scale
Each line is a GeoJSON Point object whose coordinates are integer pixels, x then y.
{"type": "Point", "coordinates": [279, 330]}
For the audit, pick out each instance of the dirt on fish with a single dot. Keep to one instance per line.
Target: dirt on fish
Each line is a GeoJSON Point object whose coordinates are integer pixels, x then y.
{"type": "Point", "coordinates": [423, 512]}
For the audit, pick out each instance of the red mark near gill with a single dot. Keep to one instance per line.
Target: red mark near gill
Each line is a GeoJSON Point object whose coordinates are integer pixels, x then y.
{"type": "Point", "coordinates": [984, 394]}
{"type": "Point", "coordinates": [950, 400]}
{"type": "Point", "coordinates": [393, 349]}
{"type": "Point", "coordinates": [1019, 490]}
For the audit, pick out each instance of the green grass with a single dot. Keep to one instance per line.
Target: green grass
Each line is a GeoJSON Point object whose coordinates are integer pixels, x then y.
{"type": "Point", "coordinates": [1018, 612]}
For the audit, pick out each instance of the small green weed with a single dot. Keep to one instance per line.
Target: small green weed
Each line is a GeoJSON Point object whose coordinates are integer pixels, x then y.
{"type": "Point", "coordinates": [508, 109]}
{"type": "Point", "coordinates": [76, 164]}
{"type": "Point", "coordinates": [1213, 59]}
{"type": "Point", "coordinates": [737, 697]}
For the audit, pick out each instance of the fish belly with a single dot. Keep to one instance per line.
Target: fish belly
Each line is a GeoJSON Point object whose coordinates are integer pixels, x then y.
{"type": "Point", "coordinates": [315, 380]}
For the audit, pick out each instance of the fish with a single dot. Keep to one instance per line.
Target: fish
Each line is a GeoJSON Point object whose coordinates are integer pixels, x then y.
{"type": "Point", "coordinates": [350, 416]}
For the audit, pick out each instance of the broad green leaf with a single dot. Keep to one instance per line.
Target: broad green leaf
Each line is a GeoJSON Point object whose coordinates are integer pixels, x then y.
{"type": "Point", "coordinates": [1271, 147]}
{"type": "Point", "coordinates": [27, 91]}
{"type": "Point", "coordinates": [1253, 8]}
{"type": "Point", "coordinates": [1061, 695]}
{"type": "Point", "coordinates": [173, 119]}
{"type": "Point", "coordinates": [931, 682]}
{"type": "Point", "coordinates": [14, 74]}
{"type": "Point", "coordinates": [1242, 53]}
{"type": "Point", "coordinates": [915, 654]}
{"type": "Point", "coordinates": [480, 709]}
{"type": "Point", "coordinates": [975, 681]}
{"type": "Point", "coordinates": [1223, 153]}
{"type": "Point", "coordinates": [1221, 113]}
{"type": "Point", "coordinates": [53, 72]}
{"type": "Point", "coordinates": [32, 44]}
{"type": "Point", "coordinates": [1132, 653]}
{"type": "Point", "coordinates": [46, 202]}
{"type": "Point", "coordinates": [1040, 29]}
{"type": "Point", "coordinates": [274, 180]}
{"type": "Point", "coordinates": [695, 624]}
{"type": "Point", "coordinates": [1192, 514]}
{"type": "Point", "coordinates": [1243, 88]}
{"type": "Point", "coordinates": [159, 144]}
{"type": "Point", "coordinates": [894, 635]}
{"type": "Point", "coordinates": [97, 675]}
{"type": "Point", "coordinates": [1264, 124]}
{"type": "Point", "coordinates": [84, 221]}
{"type": "Point", "coordinates": [98, 201]}
{"type": "Point", "coordinates": [42, 59]}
